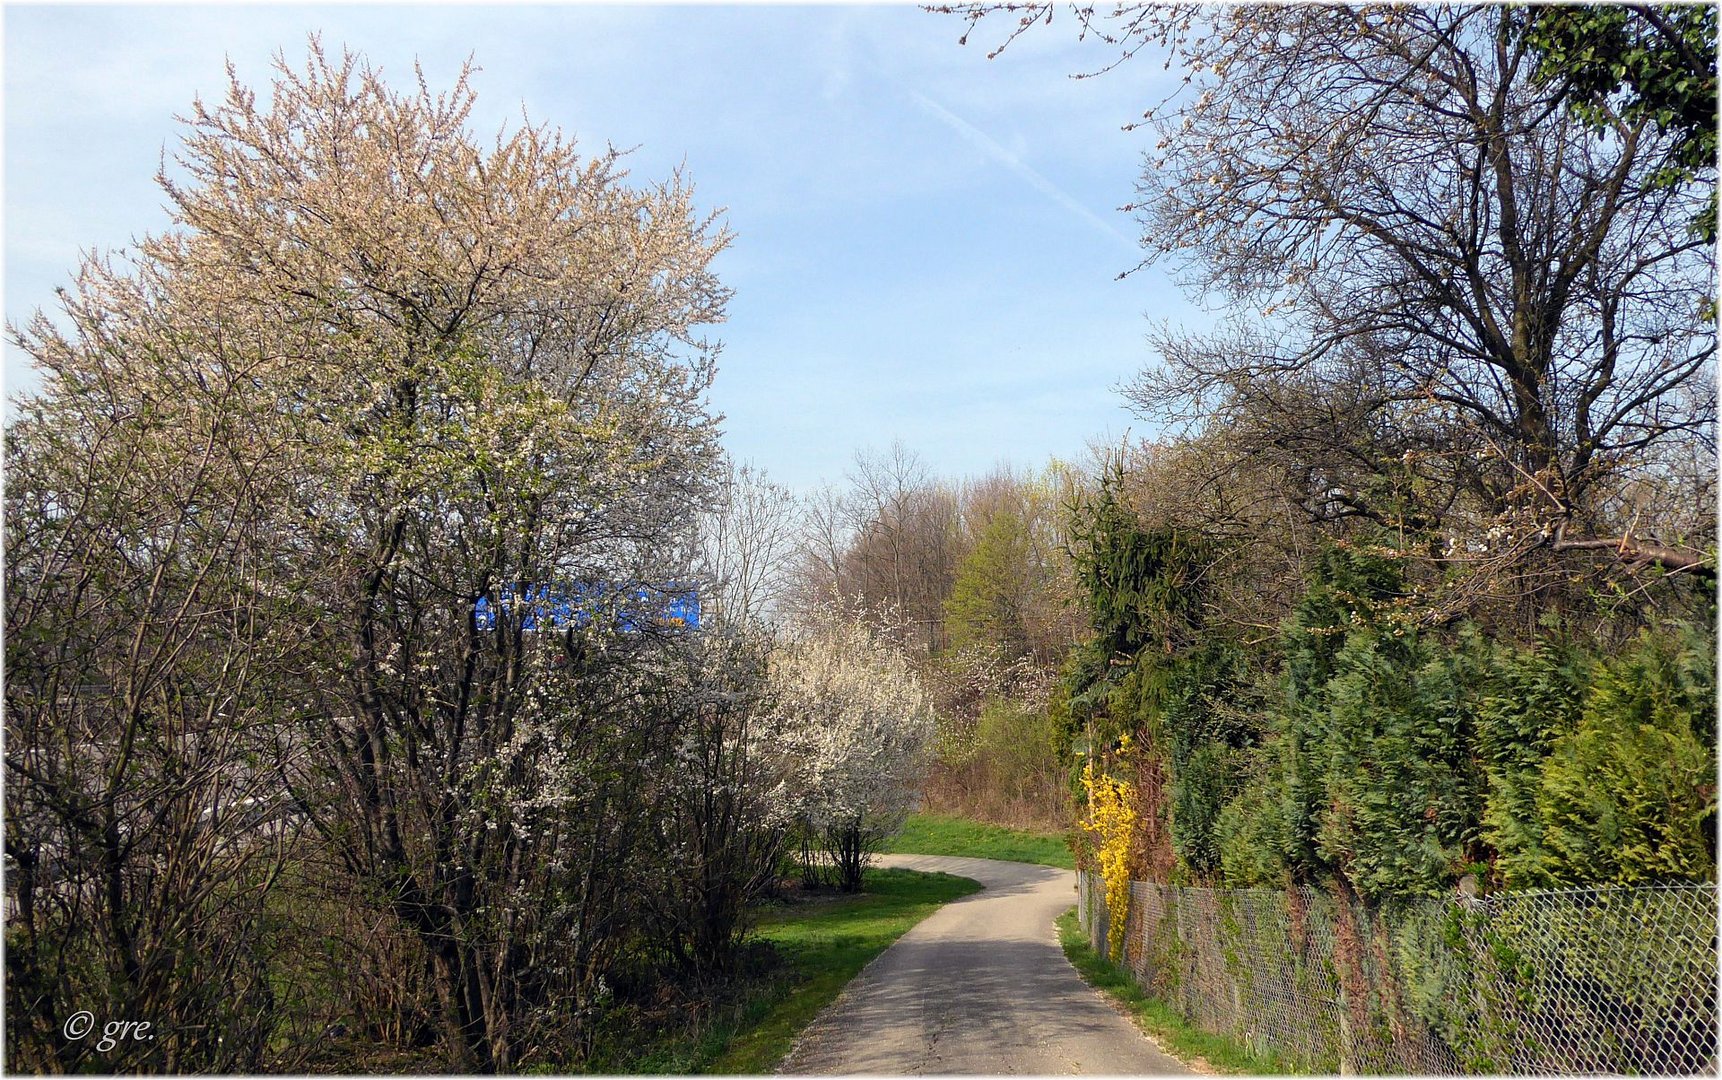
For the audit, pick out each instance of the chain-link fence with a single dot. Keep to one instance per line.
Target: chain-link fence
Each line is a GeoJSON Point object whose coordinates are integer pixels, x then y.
{"type": "Point", "coordinates": [1585, 981]}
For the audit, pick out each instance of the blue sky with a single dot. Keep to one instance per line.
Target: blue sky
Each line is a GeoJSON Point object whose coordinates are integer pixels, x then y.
{"type": "Point", "coordinates": [926, 241]}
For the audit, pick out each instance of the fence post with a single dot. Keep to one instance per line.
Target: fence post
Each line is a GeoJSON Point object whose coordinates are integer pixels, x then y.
{"type": "Point", "coordinates": [1102, 922]}
{"type": "Point", "coordinates": [1347, 1059]}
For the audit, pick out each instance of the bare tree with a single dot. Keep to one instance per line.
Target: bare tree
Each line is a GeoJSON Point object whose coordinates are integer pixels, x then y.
{"type": "Point", "coordinates": [748, 543]}
{"type": "Point", "coordinates": [901, 555]}
{"type": "Point", "coordinates": [1418, 222]}
{"type": "Point", "coordinates": [1443, 284]}
{"type": "Point", "coordinates": [817, 579]}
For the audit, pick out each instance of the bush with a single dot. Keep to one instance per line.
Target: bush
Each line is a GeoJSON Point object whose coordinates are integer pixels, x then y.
{"type": "Point", "coordinates": [1403, 795]}
{"type": "Point", "coordinates": [1533, 697]}
{"type": "Point", "coordinates": [860, 728]}
{"type": "Point", "coordinates": [1629, 797]}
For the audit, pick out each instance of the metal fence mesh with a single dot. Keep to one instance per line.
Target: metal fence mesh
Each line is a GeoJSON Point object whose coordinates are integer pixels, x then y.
{"type": "Point", "coordinates": [1617, 980]}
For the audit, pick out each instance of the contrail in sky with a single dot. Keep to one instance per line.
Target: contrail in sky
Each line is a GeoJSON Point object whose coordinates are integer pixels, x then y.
{"type": "Point", "coordinates": [996, 150]}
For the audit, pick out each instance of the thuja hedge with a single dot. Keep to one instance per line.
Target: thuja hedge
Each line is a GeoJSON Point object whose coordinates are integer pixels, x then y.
{"type": "Point", "coordinates": [1402, 759]}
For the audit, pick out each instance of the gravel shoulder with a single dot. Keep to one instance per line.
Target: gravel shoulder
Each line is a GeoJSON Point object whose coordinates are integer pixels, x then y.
{"type": "Point", "coordinates": [979, 987]}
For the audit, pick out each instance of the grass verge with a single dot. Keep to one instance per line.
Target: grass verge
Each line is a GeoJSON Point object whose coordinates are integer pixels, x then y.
{"type": "Point", "coordinates": [822, 944]}
{"type": "Point", "coordinates": [1173, 1032]}
{"type": "Point", "coordinates": [936, 834]}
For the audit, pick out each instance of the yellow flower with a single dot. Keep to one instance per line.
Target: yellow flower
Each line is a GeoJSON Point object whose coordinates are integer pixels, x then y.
{"type": "Point", "coordinates": [1112, 817]}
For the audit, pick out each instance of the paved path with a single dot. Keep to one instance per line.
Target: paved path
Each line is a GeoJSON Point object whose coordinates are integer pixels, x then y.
{"type": "Point", "coordinates": [980, 986]}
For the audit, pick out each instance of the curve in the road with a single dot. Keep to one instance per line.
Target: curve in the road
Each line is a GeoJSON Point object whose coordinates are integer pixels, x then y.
{"type": "Point", "coordinates": [979, 986]}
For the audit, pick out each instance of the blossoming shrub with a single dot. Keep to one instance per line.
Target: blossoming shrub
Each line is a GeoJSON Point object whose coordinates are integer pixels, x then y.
{"type": "Point", "coordinates": [860, 728]}
{"type": "Point", "coordinates": [1112, 820]}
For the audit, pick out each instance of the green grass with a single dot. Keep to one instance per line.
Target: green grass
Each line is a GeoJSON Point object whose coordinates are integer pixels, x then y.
{"type": "Point", "coordinates": [936, 834]}
{"type": "Point", "coordinates": [1156, 1017]}
{"type": "Point", "coordinates": [824, 943]}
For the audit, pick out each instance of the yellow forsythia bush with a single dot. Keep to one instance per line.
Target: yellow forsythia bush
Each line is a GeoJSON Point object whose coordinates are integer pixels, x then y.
{"type": "Point", "coordinates": [1112, 820]}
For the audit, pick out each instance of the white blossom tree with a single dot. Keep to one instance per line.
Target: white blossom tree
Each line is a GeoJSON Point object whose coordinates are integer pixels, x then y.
{"type": "Point", "coordinates": [452, 367]}
{"type": "Point", "coordinates": [720, 822]}
{"type": "Point", "coordinates": [860, 727]}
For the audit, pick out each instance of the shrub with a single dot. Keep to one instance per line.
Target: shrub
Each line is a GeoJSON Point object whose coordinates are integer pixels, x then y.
{"type": "Point", "coordinates": [1629, 797]}
{"type": "Point", "coordinates": [860, 728]}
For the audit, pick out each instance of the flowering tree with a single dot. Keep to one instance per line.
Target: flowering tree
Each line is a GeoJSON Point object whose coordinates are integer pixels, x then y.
{"type": "Point", "coordinates": [720, 821]}
{"type": "Point", "coordinates": [445, 367]}
{"type": "Point", "coordinates": [861, 727]}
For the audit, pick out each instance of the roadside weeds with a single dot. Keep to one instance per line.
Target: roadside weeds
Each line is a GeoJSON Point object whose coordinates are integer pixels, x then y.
{"type": "Point", "coordinates": [1198, 1050]}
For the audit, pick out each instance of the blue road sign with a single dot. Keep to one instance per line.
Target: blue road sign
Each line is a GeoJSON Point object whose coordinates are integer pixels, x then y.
{"type": "Point", "coordinates": [550, 607]}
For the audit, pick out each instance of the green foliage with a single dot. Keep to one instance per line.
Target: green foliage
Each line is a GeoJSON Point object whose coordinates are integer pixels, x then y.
{"type": "Point", "coordinates": [1252, 834]}
{"type": "Point", "coordinates": [1200, 787]}
{"type": "Point", "coordinates": [1629, 797]}
{"type": "Point", "coordinates": [1348, 588]}
{"type": "Point", "coordinates": [1269, 831]}
{"type": "Point", "coordinates": [1199, 706]}
{"type": "Point", "coordinates": [1143, 592]}
{"type": "Point", "coordinates": [1137, 702]}
{"type": "Point", "coordinates": [1084, 682]}
{"type": "Point", "coordinates": [1558, 767]}
{"type": "Point", "coordinates": [987, 600]}
{"type": "Point", "coordinates": [1531, 699]}
{"type": "Point", "coordinates": [1403, 794]}
{"type": "Point", "coordinates": [1139, 586]}
{"type": "Point", "coordinates": [1022, 743]}
{"type": "Point", "coordinates": [1207, 726]}
{"type": "Point", "coordinates": [1404, 760]}
{"type": "Point", "coordinates": [1652, 62]}
{"type": "Point", "coordinates": [1006, 766]}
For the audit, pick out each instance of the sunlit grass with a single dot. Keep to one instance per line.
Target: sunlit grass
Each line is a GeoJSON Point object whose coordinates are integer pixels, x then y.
{"type": "Point", "coordinates": [936, 834]}
{"type": "Point", "coordinates": [827, 945]}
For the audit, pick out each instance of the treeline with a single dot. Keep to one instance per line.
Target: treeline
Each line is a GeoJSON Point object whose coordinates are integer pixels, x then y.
{"type": "Point", "coordinates": [1277, 696]}
{"type": "Point", "coordinates": [274, 790]}
{"type": "Point", "coordinates": [972, 579]}
{"type": "Point", "coordinates": [1343, 736]}
{"type": "Point", "coordinates": [1415, 588]}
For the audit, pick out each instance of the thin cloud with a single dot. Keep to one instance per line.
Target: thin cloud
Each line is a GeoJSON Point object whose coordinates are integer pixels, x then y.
{"type": "Point", "coordinates": [1003, 155]}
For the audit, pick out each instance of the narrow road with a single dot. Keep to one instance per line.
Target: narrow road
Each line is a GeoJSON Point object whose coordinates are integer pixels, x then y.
{"type": "Point", "coordinates": [980, 986]}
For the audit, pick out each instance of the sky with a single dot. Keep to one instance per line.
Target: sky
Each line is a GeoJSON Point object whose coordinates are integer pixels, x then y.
{"type": "Point", "coordinates": [927, 242]}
